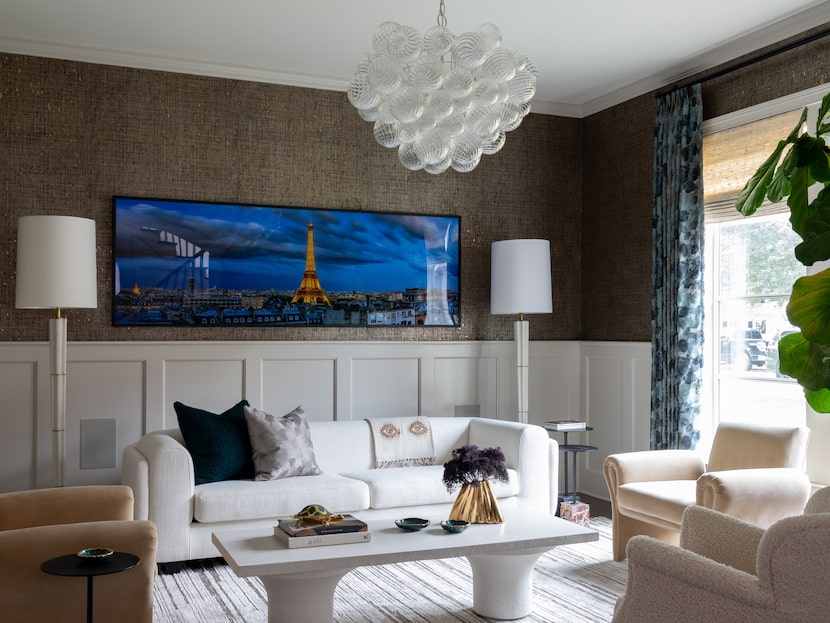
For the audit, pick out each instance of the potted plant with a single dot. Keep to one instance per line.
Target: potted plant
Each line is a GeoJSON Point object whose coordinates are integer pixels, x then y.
{"type": "Point", "coordinates": [472, 469]}
{"type": "Point", "coordinates": [804, 355]}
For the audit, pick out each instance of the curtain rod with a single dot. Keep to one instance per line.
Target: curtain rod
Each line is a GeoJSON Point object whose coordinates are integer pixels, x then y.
{"type": "Point", "coordinates": [746, 62]}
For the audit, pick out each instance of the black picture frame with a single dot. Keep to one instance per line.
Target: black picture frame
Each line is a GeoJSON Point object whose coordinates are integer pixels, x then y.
{"type": "Point", "coordinates": [191, 263]}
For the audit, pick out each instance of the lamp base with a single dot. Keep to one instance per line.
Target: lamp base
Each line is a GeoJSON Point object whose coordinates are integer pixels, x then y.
{"type": "Point", "coordinates": [521, 330]}
{"type": "Point", "coordinates": [57, 368]}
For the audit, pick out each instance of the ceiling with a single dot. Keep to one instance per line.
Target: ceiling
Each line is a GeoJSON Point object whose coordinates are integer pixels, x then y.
{"type": "Point", "coordinates": [590, 55]}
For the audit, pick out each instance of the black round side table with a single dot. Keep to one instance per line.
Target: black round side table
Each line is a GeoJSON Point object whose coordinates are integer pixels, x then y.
{"type": "Point", "coordinates": [72, 565]}
{"type": "Point", "coordinates": [574, 450]}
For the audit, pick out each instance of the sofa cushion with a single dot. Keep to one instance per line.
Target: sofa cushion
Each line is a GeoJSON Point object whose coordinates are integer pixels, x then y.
{"type": "Point", "coordinates": [218, 443]}
{"type": "Point", "coordinates": [281, 445]}
{"type": "Point", "coordinates": [239, 500]}
{"type": "Point", "coordinates": [414, 486]}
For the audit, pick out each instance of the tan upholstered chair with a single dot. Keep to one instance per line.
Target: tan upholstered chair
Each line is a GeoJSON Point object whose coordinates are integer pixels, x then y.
{"type": "Point", "coordinates": [42, 524]}
{"type": "Point", "coordinates": [729, 570]}
{"type": "Point", "coordinates": [754, 473]}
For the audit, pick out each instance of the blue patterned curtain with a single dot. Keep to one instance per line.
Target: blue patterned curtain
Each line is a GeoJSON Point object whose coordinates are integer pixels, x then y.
{"type": "Point", "coordinates": [677, 272]}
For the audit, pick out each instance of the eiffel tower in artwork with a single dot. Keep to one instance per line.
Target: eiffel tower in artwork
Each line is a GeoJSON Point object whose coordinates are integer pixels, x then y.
{"type": "Point", "coordinates": [310, 290]}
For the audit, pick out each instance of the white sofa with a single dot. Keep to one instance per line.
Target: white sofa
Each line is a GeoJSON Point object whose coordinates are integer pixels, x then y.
{"type": "Point", "coordinates": [160, 471]}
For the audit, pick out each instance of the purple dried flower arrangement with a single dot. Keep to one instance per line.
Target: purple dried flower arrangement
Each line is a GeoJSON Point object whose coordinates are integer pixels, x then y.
{"type": "Point", "coordinates": [471, 464]}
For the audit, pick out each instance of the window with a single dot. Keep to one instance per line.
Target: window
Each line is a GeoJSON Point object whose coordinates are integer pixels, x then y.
{"type": "Point", "coordinates": [751, 268]}
{"type": "Point", "coordinates": [749, 271]}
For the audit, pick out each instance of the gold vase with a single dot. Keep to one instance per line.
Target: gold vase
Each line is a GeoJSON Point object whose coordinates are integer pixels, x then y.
{"type": "Point", "coordinates": [476, 504]}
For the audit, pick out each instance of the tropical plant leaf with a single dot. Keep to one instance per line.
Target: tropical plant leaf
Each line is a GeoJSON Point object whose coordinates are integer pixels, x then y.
{"type": "Point", "coordinates": [823, 110]}
{"type": "Point", "coordinates": [820, 170]}
{"type": "Point", "coordinates": [818, 160]}
{"type": "Point", "coordinates": [752, 195]}
{"type": "Point", "coordinates": [816, 245]}
{"type": "Point", "coordinates": [780, 186]}
{"type": "Point", "coordinates": [796, 131]}
{"type": "Point", "coordinates": [797, 201]}
{"type": "Point", "coordinates": [804, 361]}
{"type": "Point", "coordinates": [818, 400]}
{"type": "Point", "coordinates": [809, 306]}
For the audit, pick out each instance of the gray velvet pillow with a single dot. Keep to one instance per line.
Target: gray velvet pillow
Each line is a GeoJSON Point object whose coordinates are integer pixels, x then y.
{"type": "Point", "coordinates": [281, 446]}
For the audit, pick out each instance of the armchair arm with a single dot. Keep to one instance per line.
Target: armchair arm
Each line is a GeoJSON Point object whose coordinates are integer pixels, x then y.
{"type": "Point", "coordinates": [699, 589]}
{"type": "Point", "coordinates": [651, 465]}
{"type": "Point", "coordinates": [746, 493]}
{"type": "Point", "coordinates": [720, 537]}
{"type": "Point", "coordinates": [30, 595]}
{"type": "Point", "coordinates": [41, 507]}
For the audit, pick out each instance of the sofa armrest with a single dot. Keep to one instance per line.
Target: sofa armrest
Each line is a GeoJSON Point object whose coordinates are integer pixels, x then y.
{"type": "Point", "coordinates": [29, 594]}
{"type": "Point", "coordinates": [554, 458]}
{"type": "Point", "coordinates": [747, 493]}
{"type": "Point", "coordinates": [169, 493]}
{"type": "Point", "coordinates": [720, 537]}
{"type": "Point", "coordinates": [41, 507]}
{"type": "Point", "coordinates": [526, 449]}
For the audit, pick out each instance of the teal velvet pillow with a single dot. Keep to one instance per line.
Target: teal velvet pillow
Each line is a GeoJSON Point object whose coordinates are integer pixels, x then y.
{"type": "Point", "coordinates": [218, 443]}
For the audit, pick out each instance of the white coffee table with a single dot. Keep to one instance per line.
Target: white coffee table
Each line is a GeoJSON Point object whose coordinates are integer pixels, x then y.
{"type": "Point", "coordinates": [300, 582]}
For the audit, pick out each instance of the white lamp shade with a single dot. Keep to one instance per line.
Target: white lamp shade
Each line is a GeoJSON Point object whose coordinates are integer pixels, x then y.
{"type": "Point", "coordinates": [520, 277]}
{"type": "Point", "coordinates": [56, 264]}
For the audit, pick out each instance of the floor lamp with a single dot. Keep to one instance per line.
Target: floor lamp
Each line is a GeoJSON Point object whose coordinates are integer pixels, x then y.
{"type": "Point", "coordinates": [520, 284]}
{"type": "Point", "coordinates": [56, 267]}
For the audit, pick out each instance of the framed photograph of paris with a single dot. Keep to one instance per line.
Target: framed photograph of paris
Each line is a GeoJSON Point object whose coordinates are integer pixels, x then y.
{"type": "Point", "coordinates": [189, 263]}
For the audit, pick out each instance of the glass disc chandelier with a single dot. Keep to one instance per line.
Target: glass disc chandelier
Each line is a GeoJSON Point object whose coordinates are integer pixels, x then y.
{"type": "Point", "coordinates": [443, 101]}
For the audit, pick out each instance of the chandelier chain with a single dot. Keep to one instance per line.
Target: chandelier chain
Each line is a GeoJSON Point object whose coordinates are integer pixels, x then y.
{"type": "Point", "coordinates": [442, 17]}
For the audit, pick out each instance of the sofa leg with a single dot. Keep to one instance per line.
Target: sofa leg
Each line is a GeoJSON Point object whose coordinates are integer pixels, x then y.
{"type": "Point", "coordinates": [169, 568]}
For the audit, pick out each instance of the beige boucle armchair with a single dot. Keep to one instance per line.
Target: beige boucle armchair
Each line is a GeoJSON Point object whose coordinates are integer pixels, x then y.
{"type": "Point", "coordinates": [41, 524]}
{"type": "Point", "coordinates": [754, 473]}
{"type": "Point", "coordinates": [729, 570]}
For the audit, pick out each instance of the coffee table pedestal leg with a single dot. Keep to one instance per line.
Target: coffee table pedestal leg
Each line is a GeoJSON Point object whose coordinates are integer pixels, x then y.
{"type": "Point", "coordinates": [503, 584]}
{"type": "Point", "coordinates": [302, 597]}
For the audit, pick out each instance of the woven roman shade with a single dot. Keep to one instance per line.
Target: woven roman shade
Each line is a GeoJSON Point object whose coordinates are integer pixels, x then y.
{"type": "Point", "coordinates": [731, 157]}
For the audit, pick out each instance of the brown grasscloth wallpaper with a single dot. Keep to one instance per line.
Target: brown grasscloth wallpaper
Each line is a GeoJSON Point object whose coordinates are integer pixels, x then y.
{"type": "Point", "coordinates": [72, 135]}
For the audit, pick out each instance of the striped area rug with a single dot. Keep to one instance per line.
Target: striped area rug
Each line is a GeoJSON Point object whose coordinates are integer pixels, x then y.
{"type": "Point", "coordinates": [573, 583]}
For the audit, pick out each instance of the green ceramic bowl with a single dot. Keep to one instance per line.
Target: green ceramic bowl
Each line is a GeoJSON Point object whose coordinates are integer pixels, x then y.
{"type": "Point", "coordinates": [93, 554]}
{"type": "Point", "coordinates": [412, 524]}
{"type": "Point", "coordinates": [454, 525]}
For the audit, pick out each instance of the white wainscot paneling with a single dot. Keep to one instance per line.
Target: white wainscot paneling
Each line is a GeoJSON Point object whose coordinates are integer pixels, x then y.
{"type": "Point", "coordinates": [18, 419]}
{"type": "Point", "coordinates": [465, 386]}
{"type": "Point", "coordinates": [213, 385]}
{"type": "Point", "coordinates": [386, 387]}
{"type": "Point", "coordinates": [288, 383]}
{"type": "Point", "coordinates": [102, 390]}
{"type": "Point", "coordinates": [553, 382]}
{"type": "Point", "coordinates": [136, 383]}
{"type": "Point", "coordinates": [616, 386]}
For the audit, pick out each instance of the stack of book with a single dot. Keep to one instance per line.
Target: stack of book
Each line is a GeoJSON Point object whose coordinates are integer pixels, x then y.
{"type": "Point", "coordinates": [565, 425]}
{"type": "Point", "coordinates": [294, 533]}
